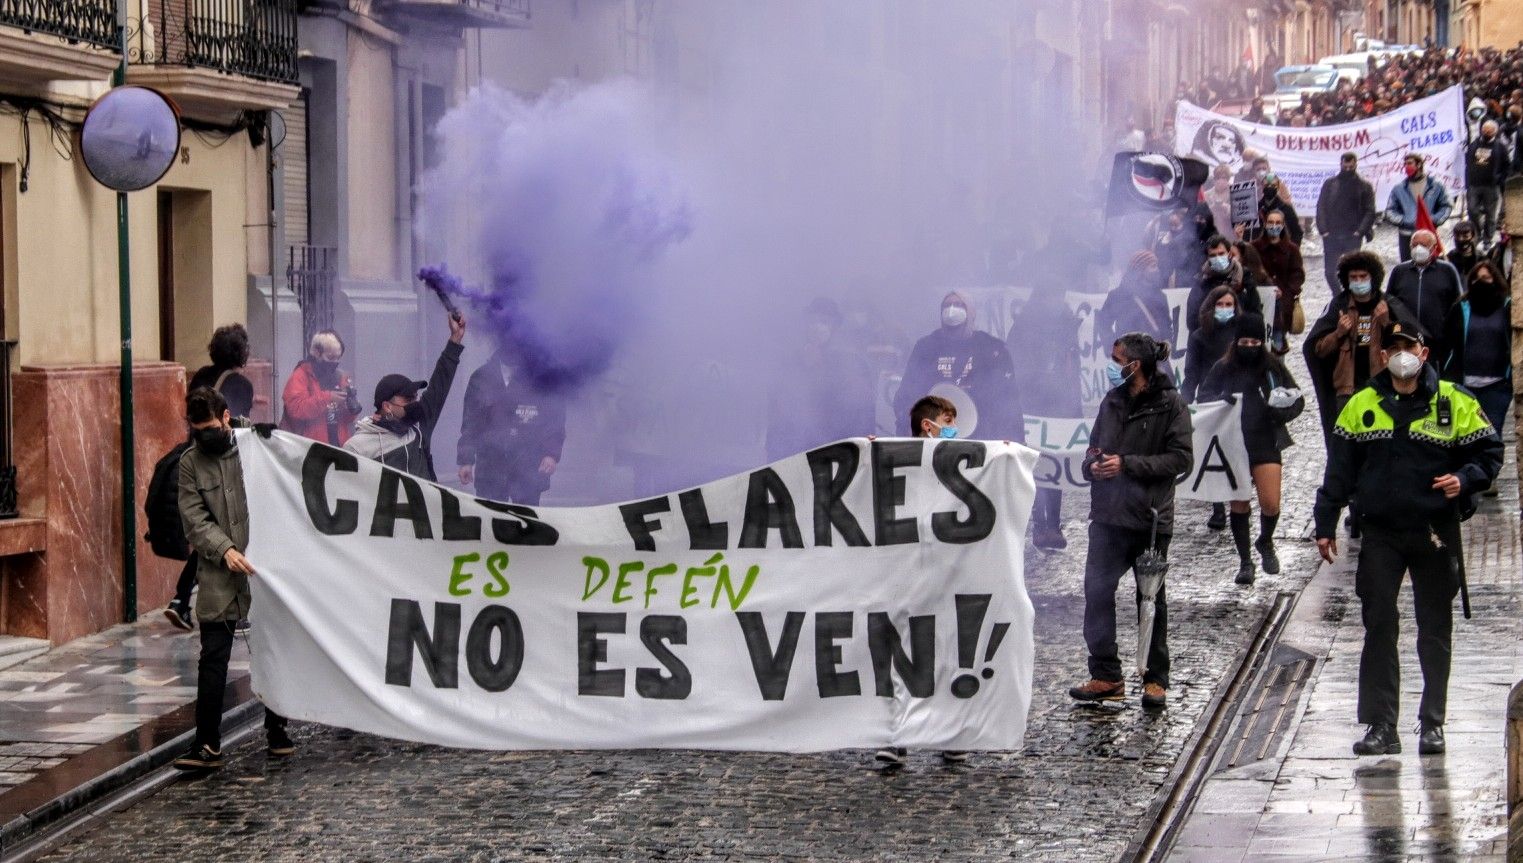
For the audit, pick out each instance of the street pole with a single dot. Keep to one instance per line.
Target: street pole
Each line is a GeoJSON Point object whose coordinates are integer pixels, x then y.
{"type": "Point", "coordinates": [124, 286]}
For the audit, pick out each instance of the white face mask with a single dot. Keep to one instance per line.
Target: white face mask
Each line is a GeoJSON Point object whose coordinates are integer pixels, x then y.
{"type": "Point", "coordinates": [1421, 254]}
{"type": "Point", "coordinates": [954, 316]}
{"type": "Point", "coordinates": [1404, 365]}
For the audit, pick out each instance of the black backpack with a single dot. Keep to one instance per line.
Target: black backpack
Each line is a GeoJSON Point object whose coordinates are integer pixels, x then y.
{"type": "Point", "coordinates": [166, 533]}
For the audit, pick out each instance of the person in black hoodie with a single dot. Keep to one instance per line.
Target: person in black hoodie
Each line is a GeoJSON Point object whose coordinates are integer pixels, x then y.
{"type": "Point", "coordinates": [1270, 399]}
{"type": "Point", "coordinates": [1487, 167]}
{"type": "Point", "coordinates": [1136, 305]}
{"type": "Point", "coordinates": [1139, 445]}
{"type": "Point", "coordinates": [229, 351]}
{"type": "Point", "coordinates": [400, 432]}
{"type": "Point", "coordinates": [511, 433]}
{"type": "Point", "coordinates": [1478, 336]}
{"type": "Point", "coordinates": [974, 360]}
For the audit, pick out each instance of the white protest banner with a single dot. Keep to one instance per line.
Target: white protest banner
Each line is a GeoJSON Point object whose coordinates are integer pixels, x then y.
{"type": "Point", "coordinates": [1220, 472]}
{"type": "Point", "coordinates": [1245, 202]}
{"type": "Point", "coordinates": [1304, 157]}
{"type": "Point", "coordinates": [863, 594]}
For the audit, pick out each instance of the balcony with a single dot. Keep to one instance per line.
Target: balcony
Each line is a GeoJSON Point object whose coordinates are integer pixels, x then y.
{"type": "Point", "coordinates": [57, 40]}
{"type": "Point", "coordinates": [463, 14]}
{"type": "Point", "coordinates": [216, 58]}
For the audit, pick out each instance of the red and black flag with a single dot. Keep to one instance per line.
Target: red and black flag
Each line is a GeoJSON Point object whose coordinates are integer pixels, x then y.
{"type": "Point", "coordinates": [1150, 182]}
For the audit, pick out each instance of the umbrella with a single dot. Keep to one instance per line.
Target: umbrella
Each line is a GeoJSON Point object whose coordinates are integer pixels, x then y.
{"type": "Point", "coordinates": [1150, 569]}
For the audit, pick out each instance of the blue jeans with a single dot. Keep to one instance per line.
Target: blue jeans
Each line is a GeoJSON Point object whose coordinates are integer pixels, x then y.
{"type": "Point", "coordinates": [1496, 401]}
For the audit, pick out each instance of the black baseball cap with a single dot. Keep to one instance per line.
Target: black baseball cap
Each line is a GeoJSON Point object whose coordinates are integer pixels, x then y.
{"type": "Point", "coordinates": [392, 386]}
{"type": "Point", "coordinates": [1404, 332]}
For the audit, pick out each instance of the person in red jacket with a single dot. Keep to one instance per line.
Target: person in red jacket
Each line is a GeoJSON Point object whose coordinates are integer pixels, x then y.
{"type": "Point", "coordinates": [319, 400]}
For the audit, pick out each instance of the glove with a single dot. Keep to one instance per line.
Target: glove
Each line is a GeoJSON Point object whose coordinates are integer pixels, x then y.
{"type": "Point", "coordinates": [1283, 397]}
{"type": "Point", "coordinates": [264, 429]}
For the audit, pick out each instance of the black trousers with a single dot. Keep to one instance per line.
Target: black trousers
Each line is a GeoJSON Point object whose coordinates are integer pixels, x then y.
{"type": "Point", "coordinates": [523, 490]}
{"type": "Point", "coordinates": [187, 582]}
{"type": "Point", "coordinates": [1384, 557]}
{"type": "Point", "coordinates": [211, 684]}
{"type": "Point", "coordinates": [1334, 247]}
{"type": "Point", "coordinates": [1047, 512]}
{"type": "Point", "coordinates": [1113, 551]}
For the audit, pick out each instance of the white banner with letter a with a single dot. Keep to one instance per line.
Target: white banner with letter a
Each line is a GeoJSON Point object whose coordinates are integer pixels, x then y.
{"type": "Point", "coordinates": [863, 594]}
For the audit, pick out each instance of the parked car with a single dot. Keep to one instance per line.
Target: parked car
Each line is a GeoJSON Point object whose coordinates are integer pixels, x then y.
{"type": "Point", "coordinates": [1294, 83]}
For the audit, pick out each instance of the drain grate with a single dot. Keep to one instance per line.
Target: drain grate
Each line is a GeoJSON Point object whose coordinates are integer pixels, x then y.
{"type": "Point", "coordinates": [1264, 717]}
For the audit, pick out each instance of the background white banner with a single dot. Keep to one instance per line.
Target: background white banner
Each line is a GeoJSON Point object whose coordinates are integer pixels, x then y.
{"type": "Point", "coordinates": [1305, 157]}
{"type": "Point", "coordinates": [1220, 472]}
{"type": "Point", "coordinates": [860, 595]}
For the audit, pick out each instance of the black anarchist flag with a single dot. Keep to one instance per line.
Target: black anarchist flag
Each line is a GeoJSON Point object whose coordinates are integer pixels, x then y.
{"type": "Point", "coordinates": [1149, 182]}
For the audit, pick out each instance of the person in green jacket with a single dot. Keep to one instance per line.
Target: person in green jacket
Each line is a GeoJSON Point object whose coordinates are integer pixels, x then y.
{"type": "Point", "coordinates": [215, 512]}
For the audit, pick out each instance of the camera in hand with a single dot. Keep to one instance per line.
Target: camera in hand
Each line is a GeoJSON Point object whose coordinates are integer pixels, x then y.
{"type": "Point", "coordinates": [353, 396]}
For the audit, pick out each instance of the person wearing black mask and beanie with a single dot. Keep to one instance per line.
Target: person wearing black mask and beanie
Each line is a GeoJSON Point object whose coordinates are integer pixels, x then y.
{"type": "Point", "coordinates": [400, 432]}
{"type": "Point", "coordinates": [1478, 340]}
{"type": "Point", "coordinates": [1270, 399]}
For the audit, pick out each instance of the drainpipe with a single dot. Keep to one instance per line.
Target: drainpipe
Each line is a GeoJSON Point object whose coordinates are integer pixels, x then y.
{"type": "Point", "coordinates": [276, 234]}
{"type": "Point", "coordinates": [124, 288]}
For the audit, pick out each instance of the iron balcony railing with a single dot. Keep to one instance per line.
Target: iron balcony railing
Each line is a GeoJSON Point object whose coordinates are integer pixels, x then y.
{"type": "Point", "coordinates": [505, 8]}
{"type": "Point", "coordinates": [309, 275]}
{"type": "Point", "coordinates": [255, 38]}
{"type": "Point", "coordinates": [92, 21]}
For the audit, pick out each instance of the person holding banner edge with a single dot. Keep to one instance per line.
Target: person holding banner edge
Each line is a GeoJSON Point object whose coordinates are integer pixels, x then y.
{"type": "Point", "coordinates": [215, 511]}
{"type": "Point", "coordinates": [1139, 445]}
{"type": "Point", "coordinates": [1270, 400]}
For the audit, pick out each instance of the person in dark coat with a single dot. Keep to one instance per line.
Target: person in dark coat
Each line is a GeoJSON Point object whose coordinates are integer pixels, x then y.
{"type": "Point", "coordinates": [1467, 253]}
{"type": "Point", "coordinates": [1223, 266]}
{"type": "Point", "coordinates": [1044, 345]}
{"type": "Point", "coordinates": [229, 351]}
{"type": "Point", "coordinates": [956, 353]}
{"type": "Point", "coordinates": [511, 433]}
{"type": "Point", "coordinates": [1209, 343]}
{"type": "Point", "coordinates": [1478, 333]}
{"type": "Point", "coordinates": [1345, 216]}
{"type": "Point", "coordinates": [1272, 201]}
{"type": "Point", "coordinates": [1270, 399]}
{"type": "Point", "coordinates": [1487, 166]}
{"type": "Point", "coordinates": [1282, 261]}
{"type": "Point", "coordinates": [1136, 305]}
{"type": "Point", "coordinates": [1427, 285]}
{"type": "Point", "coordinates": [1342, 348]}
{"type": "Point", "coordinates": [1139, 445]}
{"type": "Point", "coordinates": [825, 388]}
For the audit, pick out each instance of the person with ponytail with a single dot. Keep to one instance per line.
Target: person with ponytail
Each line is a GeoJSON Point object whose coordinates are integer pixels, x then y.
{"type": "Point", "coordinates": [1270, 399]}
{"type": "Point", "coordinates": [1139, 445]}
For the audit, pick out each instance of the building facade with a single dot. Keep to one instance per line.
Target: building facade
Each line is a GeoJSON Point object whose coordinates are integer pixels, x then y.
{"type": "Point", "coordinates": [1487, 24]}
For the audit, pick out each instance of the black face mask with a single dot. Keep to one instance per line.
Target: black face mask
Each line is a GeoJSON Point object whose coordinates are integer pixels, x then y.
{"type": "Point", "coordinates": [213, 441]}
{"type": "Point", "coordinates": [1250, 356]}
{"type": "Point", "coordinates": [411, 416]}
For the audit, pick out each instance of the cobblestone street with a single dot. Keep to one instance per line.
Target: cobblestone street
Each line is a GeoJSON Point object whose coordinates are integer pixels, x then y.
{"type": "Point", "coordinates": [1078, 791]}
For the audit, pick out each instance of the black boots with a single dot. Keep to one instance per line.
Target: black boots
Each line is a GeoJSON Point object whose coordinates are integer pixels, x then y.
{"type": "Point", "coordinates": [1242, 539]}
{"type": "Point", "coordinates": [1218, 519]}
{"type": "Point", "coordinates": [1381, 739]}
{"type": "Point", "coordinates": [1265, 545]}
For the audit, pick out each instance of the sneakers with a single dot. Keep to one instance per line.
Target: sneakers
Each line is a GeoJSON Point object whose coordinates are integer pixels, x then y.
{"type": "Point", "coordinates": [1218, 519]}
{"type": "Point", "coordinates": [1430, 740]}
{"type": "Point", "coordinates": [204, 758]}
{"type": "Point", "coordinates": [1381, 739]}
{"type": "Point", "coordinates": [953, 756]}
{"type": "Point", "coordinates": [891, 757]}
{"type": "Point", "coordinates": [1244, 573]}
{"type": "Point", "coordinates": [179, 615]}
{"type": "Point", "coordinates": [1271, 561]}
{"type": "Point", "coordinates": [1099, 690]}
{"type": "Point", "coordinates": [279, 744]}
{"type": "Point", "coordinates": [1154, 696]}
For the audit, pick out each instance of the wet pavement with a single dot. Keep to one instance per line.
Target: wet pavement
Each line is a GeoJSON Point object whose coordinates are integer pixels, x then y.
{"type": "Point", "coordinates": [1315, 800]}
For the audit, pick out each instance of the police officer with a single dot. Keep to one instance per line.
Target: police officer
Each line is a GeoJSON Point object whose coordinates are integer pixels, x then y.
{"type": "Point", "coordinates": [511, 433]}
{"type": "Point", "coordinates": [1413, 449]}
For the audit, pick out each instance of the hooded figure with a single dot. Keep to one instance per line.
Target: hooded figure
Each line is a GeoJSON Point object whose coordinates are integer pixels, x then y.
{"type": "Point", "coordinates": [1342, 349]}
{"type": "Point", "coordinates": [1137, 305]}
{"type": "Point", "coordinates": [976, 361]}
